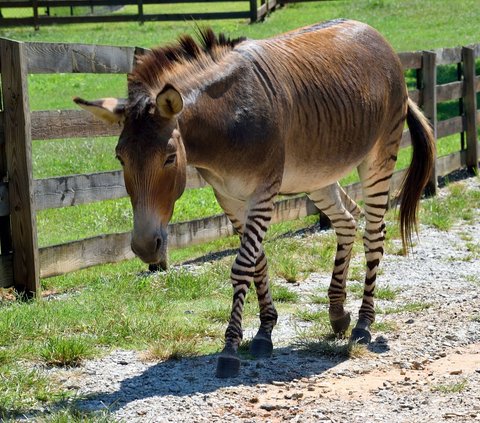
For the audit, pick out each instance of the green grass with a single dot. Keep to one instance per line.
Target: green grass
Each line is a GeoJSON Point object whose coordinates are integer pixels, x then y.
{"type": "Point", "coordinates": [451, 388]}
{"type": "Point", "coordinates": [60, 351]}
{"type": "Point", "coordinates": [24, 388]}
{"type": "Point", "coordinates": [413, 307]}
{"type": "Point", "coordinates": [443, 212]}
{"type": "Point", "coordinates": [73, 415]}
{"type": "Point", "coordinates": [313, 316]}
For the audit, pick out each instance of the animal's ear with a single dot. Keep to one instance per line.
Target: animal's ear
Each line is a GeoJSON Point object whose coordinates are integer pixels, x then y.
{"type": "Point", "coordinates": [169, 102]}
{"type": "Point", "coordinates": [111, 110]}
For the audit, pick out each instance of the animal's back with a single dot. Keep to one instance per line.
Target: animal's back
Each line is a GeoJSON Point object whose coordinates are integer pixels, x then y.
{"type": "Point", "coordinates": [336, 86]}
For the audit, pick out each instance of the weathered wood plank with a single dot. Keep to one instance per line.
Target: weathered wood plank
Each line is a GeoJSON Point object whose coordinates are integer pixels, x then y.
{"type": "Point", "coordinates": [416, 96]}
{"type": "Point", "coordinates": [450, 91]}
{"type": "Point", "coordinates": [2, 129]}
{"type": "Point", "coordinates": [5, 233]}
{"type": "Point", "coordinates": [429, 73]}
{"type": "Point", "coordinates": [55, 124]}
{"type": "Point", "coordinates": [6, 271]}
{"type": "Point", "coordinates": [451, 162]}
{"type": "Point", "coordinates": [77, 58]}
{"type": "Point", "coordinates": [78, 189]}
{"type": "Point", "coordinates": [411, 60]}
{"type": "Point", "coordinates": [470, 107]}
{"type": "Point", "coordinates": [406, 139]}
{"type": "Point", "coordinates": [18, 148]}
{"type": "Point", "coordinates": [4, 203]}
{"type": "Point", "coordinates": [73, 190]}
{"type": "Point", "coordinates": [448, 56]}
{"type": "Point", "coordinates": [65, 258]}
{"type": "Point", "coordinates": [450, 126]}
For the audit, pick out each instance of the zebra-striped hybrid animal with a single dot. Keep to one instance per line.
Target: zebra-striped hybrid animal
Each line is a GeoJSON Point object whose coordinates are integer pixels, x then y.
{"type": "Point", "coordinates": [289, 114]}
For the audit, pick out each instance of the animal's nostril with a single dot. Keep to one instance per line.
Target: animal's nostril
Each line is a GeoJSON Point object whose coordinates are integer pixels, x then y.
{"type": "Point", "coordinates": [158, 244]}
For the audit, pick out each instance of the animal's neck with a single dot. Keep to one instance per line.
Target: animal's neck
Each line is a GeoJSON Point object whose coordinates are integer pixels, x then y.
{"type": "Point", "coordinates": [207, 100]}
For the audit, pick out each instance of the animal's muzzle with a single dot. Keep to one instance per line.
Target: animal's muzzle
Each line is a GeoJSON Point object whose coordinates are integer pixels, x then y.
{"type": "Point", "coordinates": [150, 247]}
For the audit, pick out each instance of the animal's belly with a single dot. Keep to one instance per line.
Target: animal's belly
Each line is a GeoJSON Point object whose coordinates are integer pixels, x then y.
{"type": "Point", "coordinates": [309, 179]}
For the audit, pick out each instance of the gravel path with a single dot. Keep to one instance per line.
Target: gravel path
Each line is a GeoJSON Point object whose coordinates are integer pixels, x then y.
{"type": "Point", "coordinates": [425, 370]}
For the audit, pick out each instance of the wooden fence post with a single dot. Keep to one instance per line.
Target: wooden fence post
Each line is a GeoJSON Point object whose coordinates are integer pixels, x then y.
{"type": "Point", "coordinates": [470, 107]}
{"type": "Point", "coordinates": [5, 235]}
{"type": "Point", "coordinates": [429, 75]}
{"type": "Point", "coordinates": [253, 11]}
{"type": "Point", "coordinates": [18, 149]}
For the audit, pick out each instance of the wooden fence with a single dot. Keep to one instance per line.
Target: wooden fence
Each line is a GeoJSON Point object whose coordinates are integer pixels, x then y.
{"type": "Point", "coordinates": [22, 263]}
{"type": "Point", "coordinates": [42, 11]}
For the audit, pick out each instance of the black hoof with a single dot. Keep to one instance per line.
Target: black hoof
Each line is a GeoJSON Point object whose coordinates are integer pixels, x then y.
{"type": "Point", "coordinates": [228, 366]}
{"type": "Point", "coordinates": [261, 347]}
{"type": "Point", "coordinates": [361, 336]}
{"type": "Point", "coordinates": [341, 325]}
{"type": "Point", "coordinates": [158, 267]}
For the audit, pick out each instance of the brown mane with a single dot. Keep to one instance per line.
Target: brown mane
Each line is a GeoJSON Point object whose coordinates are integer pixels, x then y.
{"type": "Point", "coordinates": [148, 75]}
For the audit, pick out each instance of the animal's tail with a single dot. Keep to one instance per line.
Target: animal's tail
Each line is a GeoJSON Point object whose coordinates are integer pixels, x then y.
{"type": "Point", "coordinates": [423, 160]}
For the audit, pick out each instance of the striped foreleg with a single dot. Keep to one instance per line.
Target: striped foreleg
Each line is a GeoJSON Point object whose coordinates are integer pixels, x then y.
{"type": "Point", "coordinates": [340, 209]}
{"type": "Point", "coordinates": [249, 258]}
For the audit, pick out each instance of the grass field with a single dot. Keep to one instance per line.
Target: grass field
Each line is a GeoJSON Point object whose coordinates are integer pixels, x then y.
{"type": "Point", "coordinates": [115, 306]}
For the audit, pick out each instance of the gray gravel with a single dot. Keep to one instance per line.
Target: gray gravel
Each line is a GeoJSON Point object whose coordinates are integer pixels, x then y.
{"type": "Point", "coordinates": [426, 370]}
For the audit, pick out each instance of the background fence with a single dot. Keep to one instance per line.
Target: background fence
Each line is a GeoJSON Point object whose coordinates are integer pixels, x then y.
{"type": "Point", "coordinates": [22, 263]}
{"type": "Point", "coordinates": [48, 12]}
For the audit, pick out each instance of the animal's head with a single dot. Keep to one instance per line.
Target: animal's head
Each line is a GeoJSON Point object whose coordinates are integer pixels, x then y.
{"type": "Point", "coordinates": [151, 152]}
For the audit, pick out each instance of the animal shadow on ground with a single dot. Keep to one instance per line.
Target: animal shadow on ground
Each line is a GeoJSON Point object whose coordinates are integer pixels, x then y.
{"type": "Point", "coordinates": [196, 375]}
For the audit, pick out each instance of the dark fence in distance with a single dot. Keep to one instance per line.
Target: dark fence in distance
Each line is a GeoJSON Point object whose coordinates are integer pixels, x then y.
{"type": "Point", "coordinates": [22, 263]}
{"type": "Point", "coordinates": [43, 11]}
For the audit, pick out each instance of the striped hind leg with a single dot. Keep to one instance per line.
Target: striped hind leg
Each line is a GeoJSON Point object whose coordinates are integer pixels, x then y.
{"type": "Point", "coordinates": [250, 264]}
{"type": "Point", "coordinates": [342, 212]}
{"type": "Point", "coordinates": [375, 174]}
{"type": "Point", "coordinates": [262, 345]}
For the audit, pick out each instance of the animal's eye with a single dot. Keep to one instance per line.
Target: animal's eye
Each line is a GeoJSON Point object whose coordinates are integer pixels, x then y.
{"type": "Point", "coordinates": [120, 160]}
{"type": "Point", "coordinates": [171, 159]}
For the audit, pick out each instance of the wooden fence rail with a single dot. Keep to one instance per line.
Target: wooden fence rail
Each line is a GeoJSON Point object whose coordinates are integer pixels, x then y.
{"type": "Point", "coordinates": [22, 263]}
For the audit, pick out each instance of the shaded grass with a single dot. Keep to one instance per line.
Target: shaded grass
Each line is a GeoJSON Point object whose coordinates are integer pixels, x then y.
{"type": "Point", "coordinates": [317, 340]}
{"type": "Point", "coordinates": [23, 388]}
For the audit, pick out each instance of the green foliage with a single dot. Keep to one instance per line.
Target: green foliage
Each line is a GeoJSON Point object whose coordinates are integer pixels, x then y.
{"type": "Point", "coordinates": [443, 212]}
{"type": "Point", "coordinates": [413, 307]}
{"type": "Point", "coordinates": [60, 351]}
{"type": "Point", "coordinates": [386, 293]}
{"type": "Point", "coordinates": [451, 388]}
{"type": "Point", "coordinates": [282, 294]}
{"type": "Point", "coordinates": [313, 316]}
{"type": "Point", "coordinates": [22, 389]}
{"type": "Point", "coordinates": [385, 327]}
{"type": "Point", "coordinates": [73, 415]}
{"type": "Point", "coordinates": [319, 299]}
